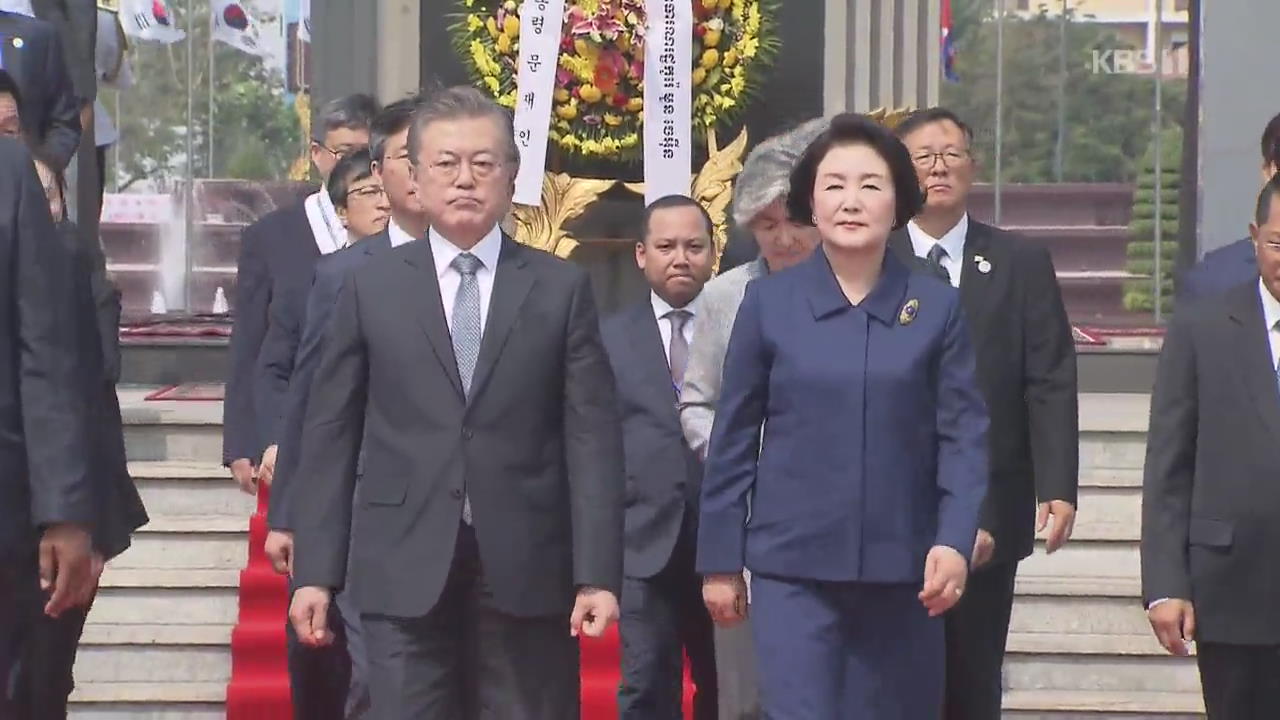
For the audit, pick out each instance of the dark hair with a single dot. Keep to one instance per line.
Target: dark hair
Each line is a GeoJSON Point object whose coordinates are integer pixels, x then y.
{"type": "Point", "coordinates": [456, 103]}
{"type": "Point", "coordinates": [9, 86]}
{"type": "Point", "coordinates": [351, 169]}
{"type": "Point", "coordinates": [352, 112]}
{"type": "Point", "coordinates": [1269, 191]}
{"type": "Point", "coordinates": [391, 120]}
{"type": "Point", "coordinates": [1271, 142]}
{"type": "Point", "coordinates": [667, 202]}
{"type": "Point", "coordinates": [929, 116]}
{"type": "Point", "coordinates": [855, 129]}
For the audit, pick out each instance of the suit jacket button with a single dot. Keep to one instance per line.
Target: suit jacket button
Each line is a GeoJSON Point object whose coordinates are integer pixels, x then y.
{"type": "Point", "coordinates": [466, 433]}
{"type": "Point", "coordinates": [456, 493]}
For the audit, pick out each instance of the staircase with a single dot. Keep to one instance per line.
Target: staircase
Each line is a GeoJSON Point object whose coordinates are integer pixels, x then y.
{"type": "Point", "coordinates": [1079, 643]}
{"type": "Point", "coordinates": [157, 643]}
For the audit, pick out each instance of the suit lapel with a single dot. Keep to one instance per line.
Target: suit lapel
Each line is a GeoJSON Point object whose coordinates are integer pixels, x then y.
{"type": "Point", "coordinates": [651, 363]}
{"type": "Point", "coordinates": [900, 243]}
{"type": "Point", "coordinates": [423, 284]}
{"type": "Point", "coordinates": [977, 286]}
{"type": "Point", "coordinates": [511, 284]}
{"type": "Point", "coordinates": [1258, 376]}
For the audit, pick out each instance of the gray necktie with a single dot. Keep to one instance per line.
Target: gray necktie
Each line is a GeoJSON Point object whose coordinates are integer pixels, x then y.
{"type": "Point", "coordinates": [678, 350]}
{"type": "Point", "coordinates": [935, 256]}
{"type": "Point", "coordinates": [466, 333]}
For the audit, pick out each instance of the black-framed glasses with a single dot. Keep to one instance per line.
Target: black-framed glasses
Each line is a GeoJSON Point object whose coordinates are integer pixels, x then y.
{"type": "Point", "coordinates": [448, 168]}
{"type": "Point", "coordinates": [949, 158]}
{"type": "Point", "coordinates": [337, 152]}
{"type": "Point", "coordinates": [368, 191]}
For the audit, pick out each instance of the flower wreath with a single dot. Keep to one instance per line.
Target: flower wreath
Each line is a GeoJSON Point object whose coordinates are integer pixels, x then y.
{"type": "Point", "coordinates": [598, 104]}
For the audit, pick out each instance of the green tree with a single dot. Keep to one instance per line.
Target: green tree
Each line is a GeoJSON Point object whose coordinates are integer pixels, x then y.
{"type": "Point", "coordinates": [1139, 295]}
{"type": "Point", "coordinates": [1108, 117]}
{"type": "Point", "coordinates": [256, 134]}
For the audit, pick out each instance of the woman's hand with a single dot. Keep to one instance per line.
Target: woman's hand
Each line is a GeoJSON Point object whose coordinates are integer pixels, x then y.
{"type": "Point", "coordinates": [945, 574]}
{"type": "Point", "coordinates": [726, 598]}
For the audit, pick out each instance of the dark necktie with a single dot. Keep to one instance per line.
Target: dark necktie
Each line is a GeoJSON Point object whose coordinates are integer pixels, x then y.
{"type": "Point", "coordinates": [678, 349]}
{"type": "Point", "coordinates": [934, 257]}
{"type": "Point", "coordinates": [466, 332]}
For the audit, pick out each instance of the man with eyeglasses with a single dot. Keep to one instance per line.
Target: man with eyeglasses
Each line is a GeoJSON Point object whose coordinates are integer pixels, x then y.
{"type": "Point", "coordinates": [1027, 370]}
{"type": "Point", "coordinates": [470, 372]}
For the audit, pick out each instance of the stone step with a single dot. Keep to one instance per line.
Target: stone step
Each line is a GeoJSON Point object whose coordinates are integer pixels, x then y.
{"type": "Point", "coordinates": [165, 606]}
{"type": "Point", "coordinates": [170, 430]}
{"type": "Point", "coordinates": [145, 710]}
{"type": "Point", "coordinates": [185, 549]}
{"type": "Point", "coordinates": [1109, 513]}
{"type": "Point", "coordinates": [148, 700]}
{"type": "Point", "coordinates": [1085, 558]}
{"type": "Point", "coordinates": [1101, 705]}
{"type": "Point", "coordinates": [1062, 642]}
{"type": "Point", "coordinates": [150, 634]}
{"type": "Point", "coordinates": [1114, 673]}
{"type": "Point", "coordinates": [1074, 616]}
{"type": "Point", "coordinates": [189, 489]}
{"type": "Point", "coordinates": [156, 663]}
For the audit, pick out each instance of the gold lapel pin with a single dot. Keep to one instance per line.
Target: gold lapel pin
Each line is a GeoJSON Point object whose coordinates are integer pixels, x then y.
{"type": "Point", "coordinates": [909, 312]}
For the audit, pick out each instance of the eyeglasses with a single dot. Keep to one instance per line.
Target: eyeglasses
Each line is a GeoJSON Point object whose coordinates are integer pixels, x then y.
{"type": "Point", "coordinates": [368, 191]}
{"type": "Point", "coordinates": [448, 169]}
{"type": "Point", "coordinates": [337, 152]}
{"type": "Point", "coordinates": [949, 158]}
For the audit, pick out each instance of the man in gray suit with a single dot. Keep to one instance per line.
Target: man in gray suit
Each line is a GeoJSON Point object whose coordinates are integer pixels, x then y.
{"type": "Point", "coordinates": [488, 532]}
{"type": "Point", "coordinates": [1210, 496]}
{"type": "Point", "coordinates": [759, 204]}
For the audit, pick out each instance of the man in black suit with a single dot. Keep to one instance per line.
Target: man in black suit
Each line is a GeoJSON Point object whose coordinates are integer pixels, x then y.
{"type": "Point", "coordinates": [489, 526]}
{"type": "Point", "coordinates": [48, 511]}
{"type": "Point", "coordinates": [277, 262]}
{"type": "Point", "coordinates": [1229, 266]}
{"type": "Point", "coordinates": [31, 53]}
{"type": "Point", "coordinates": [1027, 370]}
{"type": "Point", "coordinates": [44, 680]}
{"type": "Point", "coordinates": [663, 615]}
{"type": "Point", "coordinates": [1209, 493]}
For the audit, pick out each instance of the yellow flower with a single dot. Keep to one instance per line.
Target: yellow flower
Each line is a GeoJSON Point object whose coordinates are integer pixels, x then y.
{"type": "Point", "coordinates": [725, 102]}
{"type": "Point", "coordinates": [630, 140]}
{"type": "Point", "coordinates": [474, 23]}
{"type": "Point", "coordinates": [581, 69]}
{"type": "Point", "coordinates": [730, 57]}
{"type": "Point", "coordinates": [561, 95]}
{"type": "Point", "coordinates": [492, 25]}
{"type": "Point", "coordinates": [508, 100]}
{"type": "Point", "coordinates": [568, 111]}
{"type": "Point", "coordinates": [590, 93]}
{"type": "Point", "coordinates": [635, 104]}
{"type": "Point", "coordinates": [749, 47]}
{"type": "Point", "coordinates": [699, 75]}
{"type": "Point", "coordinates": [724, 4]}
{"type": "Point", "coordinates": [511, 26]}
{"type": "Point", "coordinates": [612, 120]}
{"type": "Point", "coordinates": [623, 43]}
{"type": "Point", "coordinates": [738, 84]}
{"type": "Point", "coordinates": [711, 39]}
{"type": "Point", "coordinates": [710, 4]}
{"type": "Point", "coordinates": [492, 83]}
{"type": "Point", "coordinates": [609, 144]}
{"type": "Point", "coordinates": [470, 3]}
{"type": "Point", "coordinates": [710, 58]}
{"type": "Point", "coordinates": [590, 147]}
{"type": "Point", "coordinates": [504, 43]}
{"type": "Point", "coordinates": [569, 142]}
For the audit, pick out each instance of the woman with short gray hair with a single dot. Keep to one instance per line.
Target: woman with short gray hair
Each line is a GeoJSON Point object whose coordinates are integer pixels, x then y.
{"type": "Point", "coordinates": [759, 205]}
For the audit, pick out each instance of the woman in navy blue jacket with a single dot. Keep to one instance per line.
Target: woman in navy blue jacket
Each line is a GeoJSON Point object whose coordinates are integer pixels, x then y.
{"type": "Point", "coordinates": [851, 424]}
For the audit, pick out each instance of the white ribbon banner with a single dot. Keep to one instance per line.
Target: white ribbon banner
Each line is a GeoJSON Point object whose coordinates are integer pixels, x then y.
{"type": "Point", "coordinates": [540, 25]}
{"type": "Point", "coordinates": [668, 98]}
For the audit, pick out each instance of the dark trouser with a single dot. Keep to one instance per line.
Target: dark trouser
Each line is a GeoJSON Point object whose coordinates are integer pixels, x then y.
{"type": "Point", "coordinates": [977, 629]}
{"type": "Point", "coordinates": [1240, 682]}
{"type": "Point", "coordinates": [466, 660]}
{"type": "Point", "coordinates": [664, 617]}
{"type": "Point", "coordinates": [736, 673]}
{"type": "Point", "coordinates": [37, 652]}
{"type": "Point", "coordinates": [330, 682]}
{"type": "Point", "coordinates": [845, 650]}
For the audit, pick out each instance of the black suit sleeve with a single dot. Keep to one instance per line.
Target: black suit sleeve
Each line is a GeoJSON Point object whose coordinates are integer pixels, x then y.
{"type": "Point", "coordinates": [331, 440]}
{"type": "Point", "coordinates": [320, 302]}
{"type": "Point", "coordinates": [1170, 468]}
{"type": "Point", "coordinates": [240, 435]}
{"type": "Point", "coordinates": [52, 359]}
{"type": "Point", "coordinates": [275, 368]}
{"type": "Point", "coordinates": [593, 448]}
{"type": "Point", "coordinates": [106, 303]}
{"type": "Point", "coordinates": [1051, 391]}
{"type": "Point", "coordinates": [61, 135]}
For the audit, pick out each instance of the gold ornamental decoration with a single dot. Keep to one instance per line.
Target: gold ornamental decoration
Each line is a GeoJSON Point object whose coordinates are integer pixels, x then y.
{"type": "Point", "coordinates": [563, 199]}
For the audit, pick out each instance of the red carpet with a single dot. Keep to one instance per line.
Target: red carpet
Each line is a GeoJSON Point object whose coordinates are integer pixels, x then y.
{"type": "Point", "coordinates": [259, 687]}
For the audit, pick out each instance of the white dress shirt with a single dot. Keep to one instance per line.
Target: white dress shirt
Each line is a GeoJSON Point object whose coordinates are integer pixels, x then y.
{"type": "Point", "coordinates": [952, 241]}
{"type": "Point", "coordinates": [1271, 313]}
{"type": "Point", "coordinates": [665, 325]}
{"type": "Point", "coordinates": [486, 251]}
{"type": "Point", "coordinates": [326, 226]}
{"type": "Point", "coordinates": [397, 234]}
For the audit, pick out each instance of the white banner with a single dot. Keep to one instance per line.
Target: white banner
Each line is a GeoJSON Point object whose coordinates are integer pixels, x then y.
{"type": "Point", "coordinates": [233, 25]}
{"type": "Point", "coordinates": [668, 98]}
{"type": "Point", "coordinates": [540, 27]}
{"type": "Point", "coordinates": [304, 20]}
{"type": "Point", "coordinates": [149, 20]}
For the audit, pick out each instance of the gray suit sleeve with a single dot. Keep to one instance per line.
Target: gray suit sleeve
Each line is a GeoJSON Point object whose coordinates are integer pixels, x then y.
{"type": "Point", "coordinates": [53, 375]}
{"type": "Point", "coordinates": [701, 390]}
